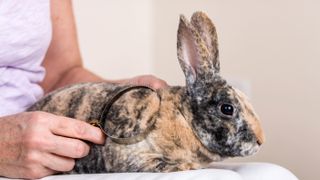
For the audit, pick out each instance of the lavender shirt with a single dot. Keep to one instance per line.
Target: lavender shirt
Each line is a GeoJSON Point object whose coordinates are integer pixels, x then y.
{"type": "Point", "coordinates": [25, 34]}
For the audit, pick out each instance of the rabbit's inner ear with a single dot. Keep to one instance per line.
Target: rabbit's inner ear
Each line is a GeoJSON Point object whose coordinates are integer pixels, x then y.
{"type": "Point", "coordinates": [187, 51]}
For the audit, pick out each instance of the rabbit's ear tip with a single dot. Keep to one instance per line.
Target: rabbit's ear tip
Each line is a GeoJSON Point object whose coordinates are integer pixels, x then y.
{"type": "Point", "coordinates": [183, 19]}
{"type": "Point", "coordinates": [200, 16]}
{"type": "Point", "coordinates": [199, 13]}
{"type": "Point", "coordinates": [183, 24]}
{"type": "Point", "coordinates": [195, 15]}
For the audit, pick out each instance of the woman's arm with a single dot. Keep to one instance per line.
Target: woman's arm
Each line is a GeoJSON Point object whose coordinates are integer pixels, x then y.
{"type": "Point", "coordinates": [63, 61]}
{"type": "Point", "coordinates": [38, 144]}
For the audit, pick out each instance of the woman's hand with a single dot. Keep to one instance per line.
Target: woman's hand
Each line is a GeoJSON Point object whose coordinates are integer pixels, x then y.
{"type": "Point", "coordinates": [146, 80]}
{"type": "Point", "coordinates": [38, 144]}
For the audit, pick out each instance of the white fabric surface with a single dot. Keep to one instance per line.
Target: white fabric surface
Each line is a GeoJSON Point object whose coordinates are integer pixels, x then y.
{"type": "Point", "coordinates": [257, 171]}
{"type": "Point", "coordinates": [216, 171]}
{"type": "Point", "coordinates": [203, 174]}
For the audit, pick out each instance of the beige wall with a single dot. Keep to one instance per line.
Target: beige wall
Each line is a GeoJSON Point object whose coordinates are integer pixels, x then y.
{"type": "Point", "coordinates": [116, 36]}
{"type": "Point", "coordinates": [273, 46]}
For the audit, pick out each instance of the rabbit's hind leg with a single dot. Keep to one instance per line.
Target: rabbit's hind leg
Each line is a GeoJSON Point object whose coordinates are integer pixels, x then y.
{"type": "Point", "coordinates": [163, 165]}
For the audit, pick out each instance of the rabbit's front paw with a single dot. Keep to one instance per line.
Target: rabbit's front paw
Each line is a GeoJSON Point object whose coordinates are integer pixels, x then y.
{"type": "Point", "coordinates": [188, 166]}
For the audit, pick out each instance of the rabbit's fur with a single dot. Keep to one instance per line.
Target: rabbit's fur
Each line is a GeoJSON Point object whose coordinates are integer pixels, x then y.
{"type": "Point", "coordinates": [205, 121]}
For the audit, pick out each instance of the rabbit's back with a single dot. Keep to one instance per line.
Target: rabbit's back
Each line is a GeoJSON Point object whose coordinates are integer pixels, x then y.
{"type": "Point", "coordinates": [82, 101]}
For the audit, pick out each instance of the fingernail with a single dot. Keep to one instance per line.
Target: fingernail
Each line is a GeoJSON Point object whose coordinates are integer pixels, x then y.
{"type": "Point", "coordinates": [99, 135]}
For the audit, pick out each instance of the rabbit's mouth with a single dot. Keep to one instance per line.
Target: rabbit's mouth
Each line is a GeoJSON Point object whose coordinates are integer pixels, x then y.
{"type": "Point", "coordinates": [221, 141]}
{"type": "Point", "coordinates": [239, 149]}
{"type": "Point", "coordinates": [248, 149]}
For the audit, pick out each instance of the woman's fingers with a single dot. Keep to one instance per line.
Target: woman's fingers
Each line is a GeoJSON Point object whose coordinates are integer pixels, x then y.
{"type": "Point", "coordinates": [68, 127]}
{"type": "Point", "coordinates": [68, 147]}
{"type": "Point", "coordinates": [58, 163]}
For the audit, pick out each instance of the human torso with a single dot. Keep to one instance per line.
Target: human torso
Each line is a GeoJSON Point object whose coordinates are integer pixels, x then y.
{"type": "Point", "coordinates": [25, 34]}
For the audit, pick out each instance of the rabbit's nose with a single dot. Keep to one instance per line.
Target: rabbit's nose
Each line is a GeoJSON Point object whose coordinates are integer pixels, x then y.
{"type": "Point", "coordinates": [259, 142]}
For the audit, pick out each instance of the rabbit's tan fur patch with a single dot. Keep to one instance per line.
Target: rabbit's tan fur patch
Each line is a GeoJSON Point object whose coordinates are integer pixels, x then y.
{"type": "Point", "coordinates": [252, 117]}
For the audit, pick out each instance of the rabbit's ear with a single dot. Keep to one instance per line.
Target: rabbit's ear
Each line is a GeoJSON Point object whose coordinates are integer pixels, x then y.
{"type": "Point", "coordinates": [201, 22]}
{"type": "Point", "coordinates": [194, 56]}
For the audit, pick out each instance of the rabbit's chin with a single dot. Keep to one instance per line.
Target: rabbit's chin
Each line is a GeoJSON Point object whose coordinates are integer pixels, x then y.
{"type": "Point", "coordinates": [241, 149]}
{"type": "Point", "coordinates": [248, 149]}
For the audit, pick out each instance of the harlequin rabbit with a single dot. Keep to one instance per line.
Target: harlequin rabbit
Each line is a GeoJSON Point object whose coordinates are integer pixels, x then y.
{"type": "Point", "coordinates": [177, 128]}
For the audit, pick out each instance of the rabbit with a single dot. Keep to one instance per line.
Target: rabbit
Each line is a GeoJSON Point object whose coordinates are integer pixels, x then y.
{"type": "Point", "coordinates": [171, 129]}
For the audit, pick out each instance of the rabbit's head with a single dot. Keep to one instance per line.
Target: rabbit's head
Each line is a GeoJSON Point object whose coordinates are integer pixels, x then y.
{"type": "Point", "coordinates": [223, 119]}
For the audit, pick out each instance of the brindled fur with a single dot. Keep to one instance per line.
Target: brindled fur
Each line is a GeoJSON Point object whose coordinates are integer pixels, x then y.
{"type": "Point", "coordinates": [189, 129]}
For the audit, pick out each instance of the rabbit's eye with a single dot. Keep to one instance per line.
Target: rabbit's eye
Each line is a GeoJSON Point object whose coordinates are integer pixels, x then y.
{"type": "Point", "coordinates": [227, 109]}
